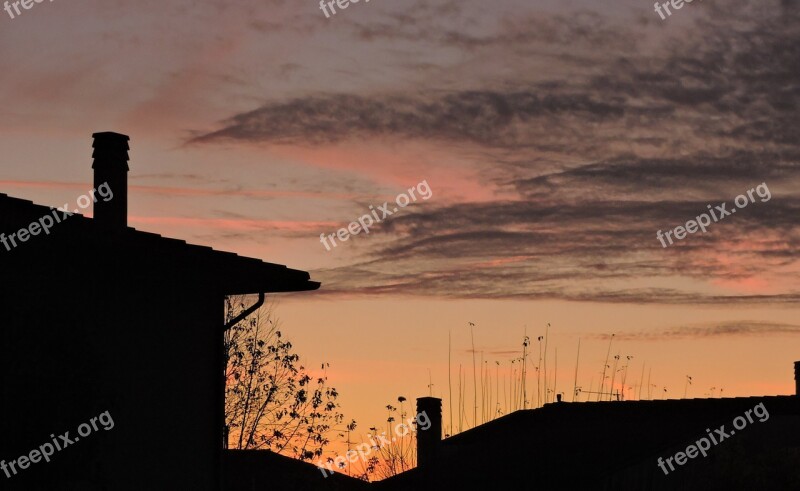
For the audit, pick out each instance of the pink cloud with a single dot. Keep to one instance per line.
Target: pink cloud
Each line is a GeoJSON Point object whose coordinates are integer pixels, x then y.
{"type": "Point", "coordinates": [232, 223]}
{"type": "Point", "coordinates": [181, 191]}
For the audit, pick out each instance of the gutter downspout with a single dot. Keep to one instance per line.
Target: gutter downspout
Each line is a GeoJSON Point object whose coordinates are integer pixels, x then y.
{"type": "Point", "coordinates": [244, 314]}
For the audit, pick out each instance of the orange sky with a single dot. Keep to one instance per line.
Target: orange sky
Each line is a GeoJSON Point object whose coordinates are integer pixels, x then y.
{"type": "Point", "coordinates": [556, 138]}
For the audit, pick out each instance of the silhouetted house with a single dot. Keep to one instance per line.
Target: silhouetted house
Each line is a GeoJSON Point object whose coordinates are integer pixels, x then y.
{"type": "Point", "coordinates": [255, 470]}
{"type": "Point", "coordinates": [616, 446]}
{"type": "Point", "coordinates": [96, 317]}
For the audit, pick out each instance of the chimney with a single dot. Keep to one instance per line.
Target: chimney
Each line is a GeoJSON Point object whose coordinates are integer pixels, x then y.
{"type": "Point", "coordinates": [797, 378]}
{"type": "Point", "coordinates": [111, 168]}
{"type": "Point", "coordinates": [428, 440]}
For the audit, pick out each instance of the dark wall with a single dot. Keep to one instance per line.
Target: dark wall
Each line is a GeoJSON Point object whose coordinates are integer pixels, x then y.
{"type": "Point", "coordinates": [90, 329]}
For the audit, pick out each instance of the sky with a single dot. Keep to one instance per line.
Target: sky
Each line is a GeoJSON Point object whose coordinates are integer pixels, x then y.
{"type": "Point", "coordinates": [556, 139]}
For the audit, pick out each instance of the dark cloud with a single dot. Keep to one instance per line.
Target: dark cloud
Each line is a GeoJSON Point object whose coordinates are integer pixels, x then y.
{"type": "Point", "coordinates": [485, 117]}
{"type": "Point", "coordinates": [618, 141]}
{"type": "Point", "coordinates": [585, 250]}
{"type": "Point", "coordinates": [722, 176]}
{"type": "Point", "coordinates": [729, 77]}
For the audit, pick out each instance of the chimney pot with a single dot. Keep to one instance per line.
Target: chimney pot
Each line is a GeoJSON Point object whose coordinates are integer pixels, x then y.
{"type": "Point", "coordinates": [111, 168]}
{"type": "Point", "coordinates": [797, 378]}
{"type": "Point", "coordinates": [428, 440]}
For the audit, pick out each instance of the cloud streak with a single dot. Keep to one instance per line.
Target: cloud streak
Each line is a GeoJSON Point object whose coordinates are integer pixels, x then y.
{"type": "Point", "coordinates": [621, 139]}
{"type": "Point", "coordinates": [708, 330]}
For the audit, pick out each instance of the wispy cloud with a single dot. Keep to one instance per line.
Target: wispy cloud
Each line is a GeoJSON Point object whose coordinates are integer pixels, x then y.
{"type": "Point", "coordinates": [231, 223]}
{"type": "Point", "coordinates": [622, 138]}
{"type": "Point", "coordinates": [707, 330]}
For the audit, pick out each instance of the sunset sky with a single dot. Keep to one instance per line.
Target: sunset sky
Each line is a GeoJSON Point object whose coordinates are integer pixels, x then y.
{"type": "Point", "coordinates": [557, 137]}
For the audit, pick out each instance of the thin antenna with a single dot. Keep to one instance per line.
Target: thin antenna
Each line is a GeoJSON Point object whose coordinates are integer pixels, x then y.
{"type": "Point", "coordinates": [525, 343]}
{"type": "Point", "coordinates": [539, 375]}
{"type": "Point", "coordinates": [483, 393]}
{"type": "Point", "coordinates": [555, 376]}
{"type": "Point", "coordinates": [613, 377]}
{"type": "Point", "coordinates": [577, 359]}
{"type": "Point", "coordinates": [605, 366]}
{"type": "Point", "coordinates": [474, 380]}
{"type": "Point", "coordinates": [497, 383]}
{"type": "Point", "coordinates": [460, 399]}
{"type": "Point", "coordinates": [512, 387]}
{"type": "Point", "coordinates": [450, 376]}
{"type": "Point", "coordinates": [641, 381]}
{"type": "Point", "coordinates": [546, 330]}
{"type": "Point", "coordinates": [505, 396]}
{"type": "Point", "coordinates": [487, 380]}
{"type": "Point", "coordinates": [464, 398]}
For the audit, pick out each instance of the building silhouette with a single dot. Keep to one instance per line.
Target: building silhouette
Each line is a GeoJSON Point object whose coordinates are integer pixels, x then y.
{"type": "Point", "coordinates": [613, 445]}
{"type": "Point", "coordinates": [98, 316]}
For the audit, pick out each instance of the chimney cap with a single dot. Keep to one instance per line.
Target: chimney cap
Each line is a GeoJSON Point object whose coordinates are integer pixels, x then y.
{"type": "Point", "coordinates": [111, 137]}
{"type": "Point", "coordinates": [110, 151]}
{"type": "Point", "coordinates": [432, 399]}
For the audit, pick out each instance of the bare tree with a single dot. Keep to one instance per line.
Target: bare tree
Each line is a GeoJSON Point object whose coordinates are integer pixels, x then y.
{"type": "Point", "coordinates": [271, 401]}
{"type": "Point", "coordinates": [399, 454]}
{"type": "Point", "coordinates": [391, 451]}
